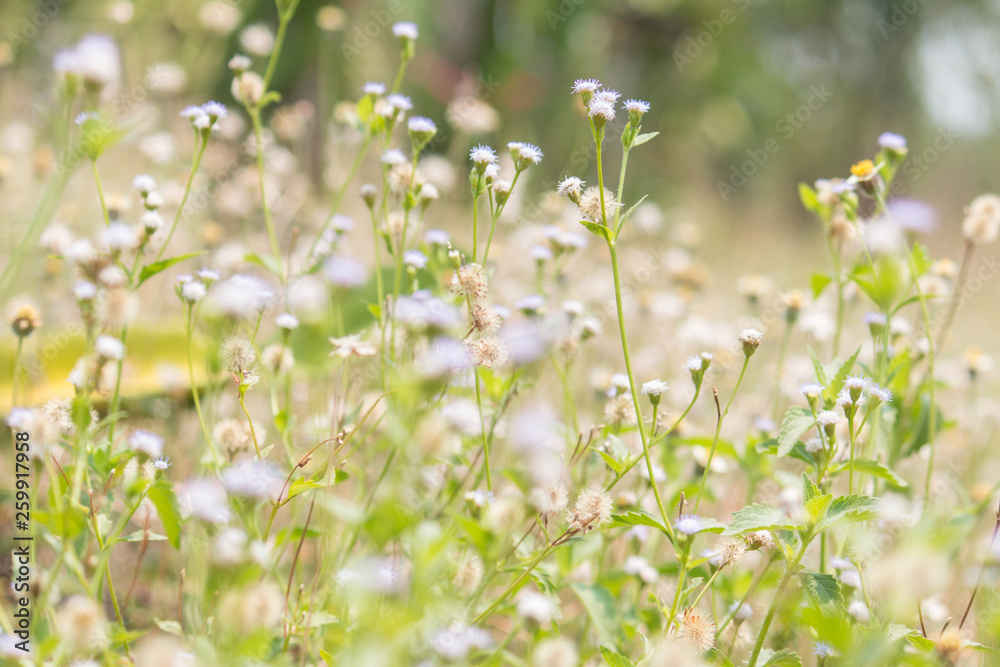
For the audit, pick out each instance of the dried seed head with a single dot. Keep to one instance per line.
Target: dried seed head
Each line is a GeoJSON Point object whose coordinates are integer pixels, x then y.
{"type": "Point", "coordinates": [485, 320]}
{"type": "Point", "coordinates": [760, 539]}
{"type": "Point", "coordinates": [730, 550]}
{"type": "Point", "coordinates": [590, 204]}
{"type": "Point", "coordinates": [468, 575]}
{"type": "Point", "coordinates": [489, 352]}
{"type": "Point", "coordinates": [697, 629]}
{"type": "Point", "coordinates": [592, 510]}
{"type": "Point", "coordinates": [556, 652]}
{"type": "Point", "coordinates": [469, 281]}
{"type": "Point", "coordinates": [550, 500]}
{"type": "Point", "coordinates": [982, 220]}
{"type": "Point", "coordinates": [238, 355]}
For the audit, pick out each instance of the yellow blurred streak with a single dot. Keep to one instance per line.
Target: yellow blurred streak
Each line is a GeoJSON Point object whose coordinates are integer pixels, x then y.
{"type": "Point", "coordinates": [156, 362]}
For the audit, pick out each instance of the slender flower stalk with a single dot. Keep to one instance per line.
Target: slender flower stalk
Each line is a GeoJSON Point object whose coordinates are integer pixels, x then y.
{"type": "Point", "coordinates": [720, 416]}
{"type": "Point", "coordinates": [790, 570]}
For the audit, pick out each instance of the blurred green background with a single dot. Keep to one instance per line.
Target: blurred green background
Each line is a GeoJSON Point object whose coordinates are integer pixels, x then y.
{"type": "Point", "coordinates": [822, 78]}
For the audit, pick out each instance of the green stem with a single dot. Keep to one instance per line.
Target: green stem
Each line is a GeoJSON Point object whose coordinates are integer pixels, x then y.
{"type": "Point", "coordinates": [654, 440]}
{"type": "Point", "coordinates": [496, 216]}
{"type": "Point", "coordinates": [789, 572]}
{"type": "Point", "coordinates": [199, 151]}
{"type": "Point", "coordinates": [475, 220]}
{"type": "Point", "coordinates": [253, 433]}
{"type": "Point", "coordinates": [268, 221]}
{"type": "Point", "coordinates": [100, 192]}
{"type": "Point", "coordinates": [279, 40]}
{"type": "Point", "coordinates": [718, 430]}
{"type": "Point", "coordinates": [194, 386]}
{"type": "Point", "coordinates": [117, 393]}
{"type": "Point", "coordinates": [339, 197]}
{"type": "Point", "coordinates": [635, 394]}
{"type": "Point", "coordinates": [486, 441]}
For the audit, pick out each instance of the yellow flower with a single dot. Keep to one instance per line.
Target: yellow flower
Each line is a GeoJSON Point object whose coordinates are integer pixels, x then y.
{"type": "Point", "coordinates": [863, 169]}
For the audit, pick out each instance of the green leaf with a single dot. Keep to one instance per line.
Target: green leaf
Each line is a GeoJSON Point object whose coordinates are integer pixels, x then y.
{"type": "Point", "coordinates": [816, 507]}
{"type": "Point", "coordinates": [614, 658]}
{"type": "Point", "coordinates": [824, 590]}
{"type": "Point", "coordinates": [327, 657]}
{"type": "Point", "coordinates": [643, 138]}
{"type": "Point", "coordinates": [799, 451]}
{"type": "Point", "coordinates": [151, 270]}
{"type": "Point", "coordinates": [301, 485]}
{"type": "Point", "coordinates": [601, 607]}
{"type": "Point", "coordinates": [849, 508]}
{"type": "Point", "coordinates": [875, 469]}
{"type": "Point", "coordinates": [596, 229]}
{"type": "Point", "coordinates": [621, 221]}
{"type": "Point", "coordinates": [783, 658]}
{"type": "Point", "coordinates": [841, 375]}
{"type": "Point", "coordinates": [921, 258]}
{"type": "Point", "coordinates": [172, 627]}
{"type": "Point", "coordinates": [809, 488]}
{"type": "Point", "coordinates": [820, 371]}
{"type": "Point", "coordinates": [718, 657]}
{"type": "Point", "coordinates": [819, 281]}
{"type": "Point", "coordinates": [797, 421]}
{"type": "Point", "coordinates": [636, 518]}
{"type": "Point", "coordinates": [759, 516]}
{"type": "Point", "coordinates": [163, 498]}
{"type": "Point", "coordinates": [263, 262]}
{"type": "Point", "coordinates": [616, 466]}
{"type": "Point", "coordinates": [809, 199]}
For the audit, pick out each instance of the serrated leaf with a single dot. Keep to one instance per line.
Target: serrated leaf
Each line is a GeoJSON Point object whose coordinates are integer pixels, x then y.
{"type": "Point", "coordinates": [824, 590]}
{"type": "Point", "coordinates": [783, 658]}
{"type": "Point", "coordinates": [614, 658]}
{"type": "Point", "coordinates": [151, 270]}
{"type": "Point", "coordinates": [601, 607]}
{"type": "Point", "coordinates": [643, 138]}
{"type": "Point", "coordinates": [759, 516]}
{"type": "Point", "coordinates": [816, 507]}
{"type": "Point", "coordinates": [849, 508]}
{"type": "Point", "coordinates": [164, 500]}
{"type": "Point", "coordinates": [818, 282]}
{"type": "Point", "coordinates": [809, 488]}
{"type": "Point", "coordinates": [596, 229]}
{"type": "Point", "coordinates": [797, 421]}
